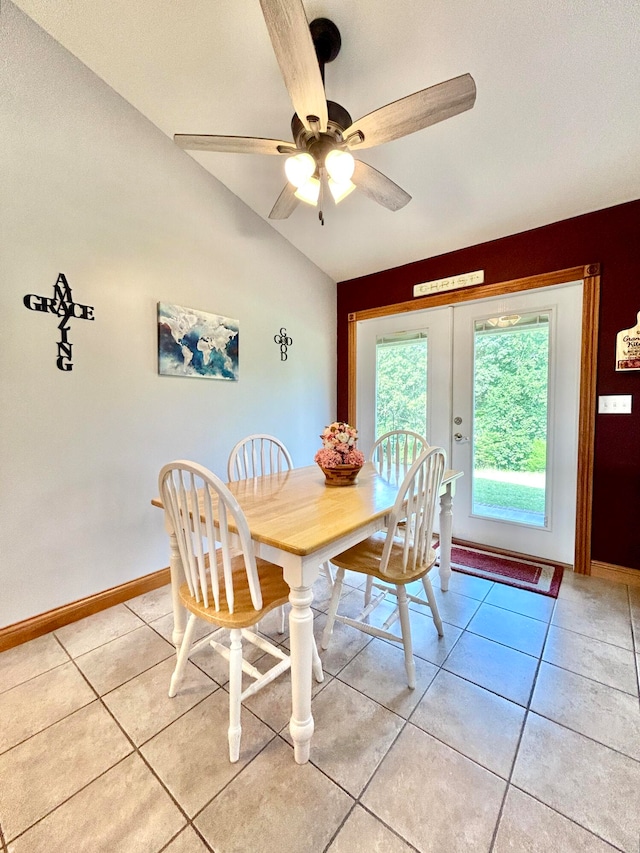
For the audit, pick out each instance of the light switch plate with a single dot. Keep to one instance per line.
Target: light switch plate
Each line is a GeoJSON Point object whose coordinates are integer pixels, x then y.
{"type": "Point", "coordinates": [617, 404]}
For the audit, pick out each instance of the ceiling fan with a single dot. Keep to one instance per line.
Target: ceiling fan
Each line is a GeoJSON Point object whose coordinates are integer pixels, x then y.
{"type": "Point", "coordinates": [319, 162]}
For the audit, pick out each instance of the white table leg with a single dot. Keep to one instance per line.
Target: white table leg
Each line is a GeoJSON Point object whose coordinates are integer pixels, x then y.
{"type": "Point", "coordinates": [301, 636]}
{"type": "Point", "coordinates": [446, 518]}
{"type": "Point", "coordinates": [177, 577]}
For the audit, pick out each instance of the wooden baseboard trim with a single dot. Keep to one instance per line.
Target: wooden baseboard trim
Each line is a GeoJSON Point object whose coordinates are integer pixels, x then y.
{"type": "Point", "coordinates": [36, 626]}
{"type": "Point", "coordinates": [619, 574]}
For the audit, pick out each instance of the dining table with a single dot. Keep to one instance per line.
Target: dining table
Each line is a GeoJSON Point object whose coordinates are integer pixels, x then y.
{"type": "Point", "coordinates": [299, 522]}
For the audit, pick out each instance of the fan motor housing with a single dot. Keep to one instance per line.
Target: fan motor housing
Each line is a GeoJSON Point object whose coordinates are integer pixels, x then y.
{"type": "Point", "coordinates": [339, 120]}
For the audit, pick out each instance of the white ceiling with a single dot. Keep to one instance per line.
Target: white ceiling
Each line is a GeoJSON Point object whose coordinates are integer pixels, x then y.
{"type": "Point", "coordinates": [555, 130]}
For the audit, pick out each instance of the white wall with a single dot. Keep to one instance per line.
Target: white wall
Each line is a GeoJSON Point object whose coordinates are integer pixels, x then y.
{"type": "Point", "coordinates": [92, 189]}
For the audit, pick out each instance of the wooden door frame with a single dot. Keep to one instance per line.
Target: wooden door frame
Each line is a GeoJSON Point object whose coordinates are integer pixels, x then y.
{"type": "Point", "coordinates": [590, 276]}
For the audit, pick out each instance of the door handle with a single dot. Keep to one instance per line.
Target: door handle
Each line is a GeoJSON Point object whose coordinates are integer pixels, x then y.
{"type": "Point", "coordinates": [459, 437]}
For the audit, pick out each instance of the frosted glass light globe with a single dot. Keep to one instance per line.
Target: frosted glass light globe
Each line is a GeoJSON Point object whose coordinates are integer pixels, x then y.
{"type": "Point", "coordinates": [340, 165]}
{"type": "Point", "coordinates": [340, 191]}
{"type": "Point", "coordinates": [299, 168]}
{"type": "Point", "coordinates": [309, 191]}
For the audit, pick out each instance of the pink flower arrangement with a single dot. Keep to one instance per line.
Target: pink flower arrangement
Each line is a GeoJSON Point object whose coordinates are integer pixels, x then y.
{"type": "Point", "coordinates": [339, 446]}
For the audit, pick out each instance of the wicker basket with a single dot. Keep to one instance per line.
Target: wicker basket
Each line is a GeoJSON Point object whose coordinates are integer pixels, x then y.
{"type": "Point", "coordinates": [341, 475]}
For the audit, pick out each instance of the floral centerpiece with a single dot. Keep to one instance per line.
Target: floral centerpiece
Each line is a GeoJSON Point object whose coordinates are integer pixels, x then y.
{"type": "Point", "coordinates": [338, 456]}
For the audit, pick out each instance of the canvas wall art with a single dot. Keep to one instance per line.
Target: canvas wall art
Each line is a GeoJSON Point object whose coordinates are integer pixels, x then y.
{"type": "Point", "coordinates": [195, 343]}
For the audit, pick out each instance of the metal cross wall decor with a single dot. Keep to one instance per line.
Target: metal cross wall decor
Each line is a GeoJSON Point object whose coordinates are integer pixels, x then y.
{"type": "Point", "coordinates": [62, 305]}
{"type": "Point", "coordinates": [284, 342]}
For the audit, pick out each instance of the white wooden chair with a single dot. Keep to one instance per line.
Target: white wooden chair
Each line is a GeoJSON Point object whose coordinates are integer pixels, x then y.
{"type": "Point", "coordinates": [258, 455]}
{"type": "Point", "coordinates": [398, 556]}
{"type": "Point", "coordinates": [231, 590]}
{"type": "Point", "coordinates": [393, 454]}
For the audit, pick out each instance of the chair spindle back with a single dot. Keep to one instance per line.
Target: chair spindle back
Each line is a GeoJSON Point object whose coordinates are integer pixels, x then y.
{"type": "Point", "coordinates": [394, 452]}
{"type": "Point", "coordinates": [257, 455]}
{"type": "Point", "coordinates": [199, 508]}
{"type": "Point", "coordinates": [414, 511]}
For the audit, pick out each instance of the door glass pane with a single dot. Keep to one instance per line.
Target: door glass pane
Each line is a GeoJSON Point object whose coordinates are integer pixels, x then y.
{"type": "Point", "coordinates": [511, 385]}
{"type": "Point", "coordinates": [401, 382]}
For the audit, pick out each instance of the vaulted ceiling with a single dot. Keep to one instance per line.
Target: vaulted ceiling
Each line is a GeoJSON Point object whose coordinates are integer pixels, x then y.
{"type": "Point", "coordinates": [555, 131]}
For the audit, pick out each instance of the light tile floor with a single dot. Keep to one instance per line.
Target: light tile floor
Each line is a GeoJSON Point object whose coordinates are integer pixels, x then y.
{"type": "Point", "coordinates": [523, 734]}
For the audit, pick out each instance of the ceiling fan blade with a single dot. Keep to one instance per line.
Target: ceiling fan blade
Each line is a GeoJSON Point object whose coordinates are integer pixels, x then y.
{"type": "Point", "coordinates": [293, 46]}
{"type": "Point", "coordinates": [378, 187]}
{"type": "Point", "coordinates": [423, 108]}
{"type": "Point", "coordinates": [286, 203]}
{"type": "Point", "coordinates": [233, 144]}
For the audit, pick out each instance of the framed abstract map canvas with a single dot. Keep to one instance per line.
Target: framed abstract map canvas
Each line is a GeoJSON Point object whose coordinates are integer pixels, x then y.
{"type": "Point", "coordinates": [194, 343]}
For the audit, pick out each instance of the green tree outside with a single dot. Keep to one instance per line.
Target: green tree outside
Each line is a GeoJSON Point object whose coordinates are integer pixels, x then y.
{"type": "Point", "coordinates": [511, 370]}
{"type": "Point", "coordinates": [401, 386]}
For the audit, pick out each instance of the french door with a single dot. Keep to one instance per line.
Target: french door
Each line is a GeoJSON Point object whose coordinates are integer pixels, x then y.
{"type": "Point", "coordinates": [495, 382]}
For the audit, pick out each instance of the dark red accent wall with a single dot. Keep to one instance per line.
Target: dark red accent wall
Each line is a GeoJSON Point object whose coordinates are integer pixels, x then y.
{"type": "Point", "coordinates": [609, 237]}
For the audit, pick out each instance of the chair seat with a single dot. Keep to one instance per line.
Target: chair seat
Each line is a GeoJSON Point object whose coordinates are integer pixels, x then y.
{"type": "Point", "coordinates": [275, 593]}
{"type": "Point", "coordinates": [366, 556]}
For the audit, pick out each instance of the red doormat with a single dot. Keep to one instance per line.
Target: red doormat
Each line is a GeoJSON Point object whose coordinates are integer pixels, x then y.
{"type": "Point", "coordinates": [544, 578]}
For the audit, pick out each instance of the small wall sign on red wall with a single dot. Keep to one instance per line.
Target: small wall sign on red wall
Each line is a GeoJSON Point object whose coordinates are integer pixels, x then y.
{"type": "Point", "coordinates": [62, 305]}
{"type": "Point", "coordinates": [628, 348]}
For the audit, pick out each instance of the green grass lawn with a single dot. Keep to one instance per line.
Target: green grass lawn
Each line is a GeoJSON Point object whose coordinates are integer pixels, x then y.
{"type": "Point", "coordinates": [508, 495]}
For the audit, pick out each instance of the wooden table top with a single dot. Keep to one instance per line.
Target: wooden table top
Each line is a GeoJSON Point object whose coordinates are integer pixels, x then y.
{"type": "Point", "coordinates": [296, 511]}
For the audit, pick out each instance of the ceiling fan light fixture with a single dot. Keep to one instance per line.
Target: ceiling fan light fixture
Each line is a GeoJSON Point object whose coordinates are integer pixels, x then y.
{"type": "Point", "coordinates": [299, 168]}
{"type": "Point", "coordinates": [323, 131]}
{"type": "Point", "coordinates": [340, 190]}
{"type": "Point", "coordinates": [340, 165]}
{"type": "Point", "coordinates": [309, 192]}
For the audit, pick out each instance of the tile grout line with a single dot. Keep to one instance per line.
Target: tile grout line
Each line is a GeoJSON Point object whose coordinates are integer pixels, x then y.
{"type": "Point", "coordinates": [70, 797]}
{"type": "Point", "coordinates": [240, 771]}
{"type": "Point", "coordinates": [521, 735]}
{"type": "Point", "coordinates": [591, 678]}
{"type": "Point", "coordinates": [568, 819]}
{"type": "Point", "coordinates": [73, 660]}
{"type": "Point", "coordinates": [386, 825]}
{"type": "Point", "coordinates": [593, 639]}
{"type": "Point", "coordinates": [27, 680]}
{"type": "Point", "coordinates": [173, 838]}
{"type": "Point", "coordinates": [208, 847]}
{"type": "Point", "coordinates": [106, 642]}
